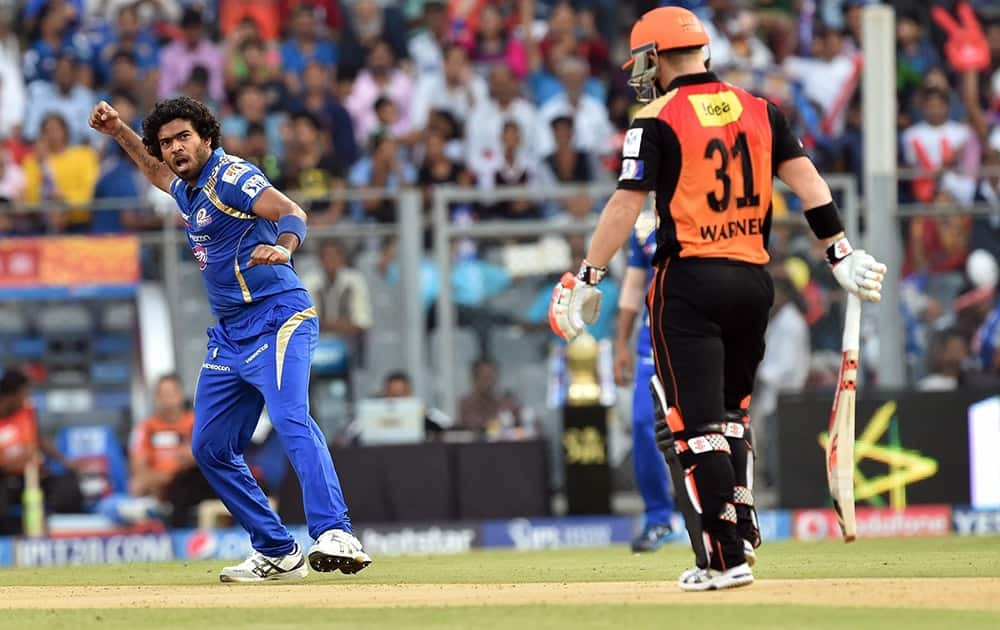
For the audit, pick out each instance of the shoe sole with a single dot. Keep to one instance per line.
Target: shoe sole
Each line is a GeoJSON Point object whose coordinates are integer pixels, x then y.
{"type": "Point", "coordinates": [297, 574]}
{"type": "Point", "coordinates": [326, 563]}
{"type": "Point", "coordinates": [720, 583]}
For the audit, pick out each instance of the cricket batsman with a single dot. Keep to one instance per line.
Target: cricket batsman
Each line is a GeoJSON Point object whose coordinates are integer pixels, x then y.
{"type": "Point", "coordinates": [650, 472]}
{"type": "Point", "coordinates": [243, 233]}
{"type": "Point", "coordinates": [709, 151]}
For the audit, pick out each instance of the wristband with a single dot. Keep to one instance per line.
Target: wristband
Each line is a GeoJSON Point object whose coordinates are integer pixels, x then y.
{"type": "Point", "coordinates": [838, 250]}
{"type": "Point", "coordinates": [294, 225]}
{"type": "Point", "coordinates": [283, 250]}
{"type": "Point", "coordinates": [591, 274]}
{"type": "Point", "coordinates": [824, 220]}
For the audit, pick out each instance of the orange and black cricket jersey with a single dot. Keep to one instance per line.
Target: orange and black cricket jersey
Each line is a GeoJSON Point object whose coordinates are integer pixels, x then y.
{"type": "Point", "coordinates": [709, 150]}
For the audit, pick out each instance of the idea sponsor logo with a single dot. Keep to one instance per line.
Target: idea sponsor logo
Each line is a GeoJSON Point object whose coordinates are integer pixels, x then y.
{"type": "Point", "coordinates": [920, 520]}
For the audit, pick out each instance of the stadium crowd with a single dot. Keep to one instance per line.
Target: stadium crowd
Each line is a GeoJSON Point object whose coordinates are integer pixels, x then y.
{"type": "Point", "coordinates": [332, 94]}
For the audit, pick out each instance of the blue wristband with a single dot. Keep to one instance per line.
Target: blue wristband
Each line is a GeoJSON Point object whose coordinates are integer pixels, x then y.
{"type": "Point", "coordinates": [293, 224]}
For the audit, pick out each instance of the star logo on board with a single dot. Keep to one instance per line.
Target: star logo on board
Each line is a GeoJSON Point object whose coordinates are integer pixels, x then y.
{"type": "Point", "coordinates": [905, 466]}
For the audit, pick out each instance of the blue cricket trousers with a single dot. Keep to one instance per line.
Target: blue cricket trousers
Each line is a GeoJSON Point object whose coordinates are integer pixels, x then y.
{"type": "Point", "coordinates": [263, 357]}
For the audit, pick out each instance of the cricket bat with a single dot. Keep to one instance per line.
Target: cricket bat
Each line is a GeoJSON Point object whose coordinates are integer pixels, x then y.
{"type": "Point", "coordinates": [840, 442]}
{"type": "Point", "coordinates": [32, 501]}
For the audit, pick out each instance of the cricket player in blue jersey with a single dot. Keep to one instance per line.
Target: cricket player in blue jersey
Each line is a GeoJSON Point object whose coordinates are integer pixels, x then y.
{"type": "Point", "coordinates": [243, 233]}
{"type": "Point", "coordinates": [650, 469]}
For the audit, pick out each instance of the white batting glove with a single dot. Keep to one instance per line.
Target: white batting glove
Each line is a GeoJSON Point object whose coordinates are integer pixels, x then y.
{"type": "Point", "coordinates": [575, 303]}
{"type": "Point", "coordinates": [856, 271]}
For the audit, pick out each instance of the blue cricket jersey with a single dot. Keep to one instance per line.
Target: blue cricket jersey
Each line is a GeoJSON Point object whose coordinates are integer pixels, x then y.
{"type": "Point", "coordinates": [223, 230]}
{"type": "Point", "coordinates": [642, 247]}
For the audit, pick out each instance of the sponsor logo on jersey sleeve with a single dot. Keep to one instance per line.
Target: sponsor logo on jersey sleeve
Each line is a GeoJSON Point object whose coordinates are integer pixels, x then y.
{"type": "Point", "coordinates": [632, 169]}
{"type": "Point", "coordinates": [234, 172]}
{"type": "Point", "coordinates": [633, 142]}
{"type": "Point", "coordinates": [252, 187]}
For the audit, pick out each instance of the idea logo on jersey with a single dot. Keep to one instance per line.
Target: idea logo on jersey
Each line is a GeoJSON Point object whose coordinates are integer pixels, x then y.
{"type": "Point", "coordinates": [201, 255]}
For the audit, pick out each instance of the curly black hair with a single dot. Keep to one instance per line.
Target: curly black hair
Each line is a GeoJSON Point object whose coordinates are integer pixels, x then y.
{"type": "Point", "coordinates": [186, 108]}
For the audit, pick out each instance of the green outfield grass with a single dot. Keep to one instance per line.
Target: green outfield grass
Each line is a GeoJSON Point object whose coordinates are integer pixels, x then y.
{"type": "Point", "coordinates": [902, 558]}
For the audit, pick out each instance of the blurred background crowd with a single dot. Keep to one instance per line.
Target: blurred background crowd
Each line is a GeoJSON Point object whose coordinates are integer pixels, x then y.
{"type": "Point", "coordinates": [333, 95]}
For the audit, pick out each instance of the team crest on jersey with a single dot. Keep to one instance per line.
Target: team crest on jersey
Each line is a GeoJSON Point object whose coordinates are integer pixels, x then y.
{"type": "Point", "coordinates": [234, 172]}
{"type": "Point", "coordinates": [202, 218]}
{"type": "Point", "coordinates": [201, 255]}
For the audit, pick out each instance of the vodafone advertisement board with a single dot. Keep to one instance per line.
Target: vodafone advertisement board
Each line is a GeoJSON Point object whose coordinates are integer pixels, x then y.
{"type": "Point", "coordinates": [917, 520]}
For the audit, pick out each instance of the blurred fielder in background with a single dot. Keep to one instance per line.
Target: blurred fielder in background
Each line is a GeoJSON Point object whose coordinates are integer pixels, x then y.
{"type": "Point", "coordinates": [709, 150]}
{"type": "Point", "coordinates": [243, 233]}
{"type": "Point", "coordinates": [647, 461]}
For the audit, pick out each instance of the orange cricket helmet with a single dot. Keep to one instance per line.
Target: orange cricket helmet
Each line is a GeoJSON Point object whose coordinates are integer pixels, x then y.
{"type": "Point", "coordinates": [665, 28]}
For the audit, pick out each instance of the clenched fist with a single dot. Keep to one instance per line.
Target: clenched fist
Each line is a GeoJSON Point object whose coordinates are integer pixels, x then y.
{"type": "Point", "coordinates": [104, 118]}
{"type": "Point", "coordinates": [268, 255]}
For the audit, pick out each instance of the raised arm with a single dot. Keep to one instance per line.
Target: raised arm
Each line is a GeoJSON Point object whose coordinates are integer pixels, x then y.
{"type": "Point", "coordinates": [105, 119]}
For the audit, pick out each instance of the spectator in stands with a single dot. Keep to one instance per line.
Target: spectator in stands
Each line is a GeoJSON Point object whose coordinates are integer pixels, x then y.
{"type": "Point", "coordinates": [12, 91]}
{"type": "Point", "coordinates": [121, 179]}
{"type": "Point", "coordinates": [257, 150]}
{"type": "Point", "coordinates": [20, 446]}
{"type": "Point", "coordinates": [51, 37]}
{"type": "Point", "coordinates": [249, 57]}
{"type": "Point", "coordinates": [384, 169]}
{"type": "Point", "coordinates": [484, 127]}
{"type": "Point", "coordinates": [313, 171]}
{"type": "Point", "coordinates": [495, 46]}
{"type": "Point", "coordinates": [380, 77]}
{"type": "Point", "coordinates": [828, 79]}
{"type": "Point", "coordinates": [123, 76]}
{"type": "Point", "coordinates": [196, 87]}
{"type": "Point", "coordinates": [576, 34]}
{"type": "Point", "coordinates": [251, 107]}
{"type": "Point", "coordinates": [915, 56]}
{"type": "Point", "coordinates": [57, 172]}
{"type": "Point", "coordinates": [11, 180]}
{"type": "Point", "coordinates": [568, 165]}
{"type": "Point", "coordinates": [128, 37]}
{"type": "Point", "coordinates": [427, 44]}
{"type": "Point", "coordinates": [747, 51]}
{"type": "Point", "coordinates": [937, 145]}
{"type": "Point", "coordinates": [399, 385]}
{"type": "Point", "coordinates": [456, 90]}
{"type": "Point", "coordinates": [194, 48]}
{"type": "Point", "coordinates": [367, 23]}
{"type": "Point", "coordinates": [318, 98]}
{"type": "Point", "coordinates": [65, 96]}
{"type": "Point", "coordinates": [946, 357]}
{"type": "Point", "coordinates": [592, 127]}
{"type": "Point", "coordinates": [305, 44]}
{"type": "Point", "coordinates": [483, 409]}
{"type": "Point", "coordinates": [437, 168]}
{"type": "Point", "coordinates": [514, 166]}
{"type": "Point", "coordinates": [160, 458]}
{"type": "Point", "coordinates": [343, 301]}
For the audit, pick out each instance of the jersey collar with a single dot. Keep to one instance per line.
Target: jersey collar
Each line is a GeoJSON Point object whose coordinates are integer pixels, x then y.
{"type": "Point", "coordinates": [693, 79]}
{"type": "Point", "coordinates": [206, 171]}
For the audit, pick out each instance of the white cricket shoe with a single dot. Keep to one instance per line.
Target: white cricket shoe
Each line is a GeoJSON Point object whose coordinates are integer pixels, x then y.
{"type": "Point", "coordinates": [259, 568]}
{"type": "Point", "coordinates": [711, 580]}
{"type": "Point", "coordinates": [335, 550]}
{"type": "Point", "coordinates": [749, 553]}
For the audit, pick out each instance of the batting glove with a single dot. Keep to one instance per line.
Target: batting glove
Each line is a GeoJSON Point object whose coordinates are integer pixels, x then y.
{"type": "Point", "coordinates": [576, 302]}
{"type": "Point", "coordinates": [856, 271]}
